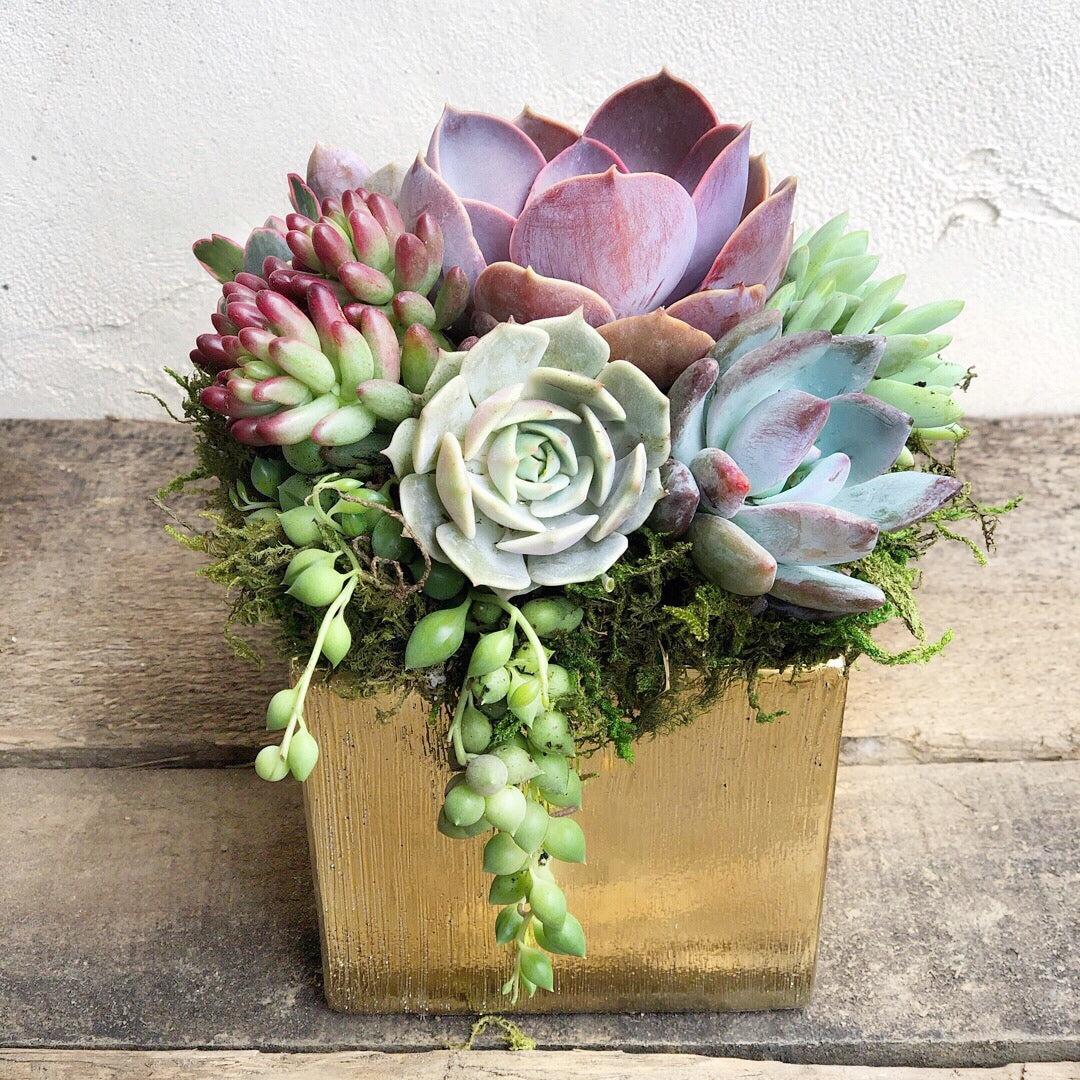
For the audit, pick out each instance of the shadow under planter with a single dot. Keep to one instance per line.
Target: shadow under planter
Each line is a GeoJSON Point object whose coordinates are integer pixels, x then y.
{"type": "Point", "coordinates": [705, 874]}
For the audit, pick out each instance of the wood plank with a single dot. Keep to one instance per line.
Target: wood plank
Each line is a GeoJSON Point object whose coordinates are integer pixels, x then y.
{"type": "Point", "coordinates": [169, 909]}
{"type": "Point", "coordinates": [113, 646]}
{"type": "Point", "coordinates": [1002, 689]}
{"type": "Point", "coordinates": [476, 1065]}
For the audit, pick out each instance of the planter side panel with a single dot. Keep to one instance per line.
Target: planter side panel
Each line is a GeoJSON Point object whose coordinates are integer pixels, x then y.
{"type": "Point", "coordinates": [702, 891]}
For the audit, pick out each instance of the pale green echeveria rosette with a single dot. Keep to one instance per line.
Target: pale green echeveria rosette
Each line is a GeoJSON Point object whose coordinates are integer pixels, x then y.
{"type": "Point", "coordinates": [829, 284]}
{"type": "Point", "coordinates": [782, 466]}
{"type": "Point", "coordinates": [532, 457]}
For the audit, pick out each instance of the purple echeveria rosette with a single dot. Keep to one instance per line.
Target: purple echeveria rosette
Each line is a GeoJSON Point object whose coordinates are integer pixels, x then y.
{"type": "Point", "coordinates": [655, 219]}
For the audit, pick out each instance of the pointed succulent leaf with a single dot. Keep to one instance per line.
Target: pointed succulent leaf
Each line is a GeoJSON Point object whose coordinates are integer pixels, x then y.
{"type": "Point", "coordinates": [716, 311]}
{"type": "Point", "coordinates": [756, 375]}
{"type": "Point", "coordinates": [627, 485]}
{"type": "Point", "coordinates": [922, 320]}
{"type": "Point", "coordinates": [582, 562]}
{"type": "Point", "coordinates": [757, 183]}
{"type": "Point", "coordinates": [661, 346]}
{"type": "Point", "coordinates": [825, 590]}
{"type": "Point", "coordinates": [647, 420]}
{"type": "Point", "coordinates": [928, 406]}
{"type": "Point", "coordinates": [870, 432]}
{"type": "Point", "coordinates": [449, 410]}
{"type": "Point", "coordinates": [485, 158]}
{"type": "Point", "coordinates": [897, 499]}
{"type": "Point", "coordinates": [480, 560]}
{"type": "Point", "coordinates": [821, 483]}
{"type": "Point", "coordinates": [651, 493]}
{"type": "Point", "coordinates": [573, 345]}
{"type": "Point", "coordinates": [718, 198]}
{"type": "Point", "coordinates": [424, 191]}
{"type": "Point", "coordinates": [550, 136]}
{"type": "Point", "coordinates": [453, 486]}
{"type": "Point", "coordinates": [808, 533]}
{"type": "Point", "coordinates": [401, 447]}
{"type": "Point", "coordinates": [748, 334]}
{"type": "Point", "coordinates": [557, 535]}
{"type": "Point", "coordinates": [688, 396]}
{"type": "Point", "coordinates": [653, 123]}
{"type": "Point", "coordinates": [904, 349]}
{"type": "Point", "coordinates": [634, 234]}
{"type": "Point", "coordinates": [774, 437]}
{"type": "Point", "coordinates": [582, 157]}
{"type": "Point", "coordinates": [502, 358]}
{"type": "Point", "coordinates": [491, 229]}
{"type": "Point", "coordinates": [423, 511]}
{"type": "Point", "coordinates": [507, 291]}
{"type": "Point", "coordinates": [750, 255]}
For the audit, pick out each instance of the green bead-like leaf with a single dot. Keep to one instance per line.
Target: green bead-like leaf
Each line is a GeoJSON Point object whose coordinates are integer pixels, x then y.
{"type": "Point", "coordinates": [279, 711]}
{"type": "Point", "coordinates": [509, 888]}
{"type": "Point", "coordinates": [267, 474]}
{"type": "Point", "coordinates": [520, 766]}
{"type": "Point", "coordinates": [303, 754]}
{"type": "Point", "coordinates": [548, 903]}
{"type": "Point", "coordinates": [475, 730]}
{"type": "Point", "coordinates": [507, 924]}
{"type": "Point", "coordinates": [506, 809]}
{"type": "Point", "coordinates": [299, 525]}
{"type": "Point", "coordinates": [564, 840]}
{"type": "Point", "coordinates": [270, 765]}
{"type": "Point", "coordinates": [553, 615]}
{"type": "Point", "coordinates": [536, 967]}
{"type": "Point", "coordinates": [436, 637]}
{"type": "Point", "coordinates": [461, 832]}
{"type": "Point", "coordinates": [463, 807]}
{"type": "Point", "coordinates": [550, 731]}
{"type": "Point", "coordinates": [533, 828]}
{"type": "Point", "coordinates": [568, 940]}
{"type": "Point", "coordinates": [388, 542]}
{"type": "Point", "coordinates": [503, 856]}
{"type": "Point", "coordinates": [571, 797]}
{"type": "Point", "coordinates": [492, 651]}
{"type": "Point", "coordinates": [338, 640]}
{"type": "Point", "coordinates": [318, 585]}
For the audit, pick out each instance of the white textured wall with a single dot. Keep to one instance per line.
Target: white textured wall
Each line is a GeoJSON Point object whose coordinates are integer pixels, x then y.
{"type": "Point", "coordinates": [130, 129]}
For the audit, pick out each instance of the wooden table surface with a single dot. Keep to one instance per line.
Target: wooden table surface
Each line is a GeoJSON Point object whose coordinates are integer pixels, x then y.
{"type": "Point", "coordinates": [159, 919]}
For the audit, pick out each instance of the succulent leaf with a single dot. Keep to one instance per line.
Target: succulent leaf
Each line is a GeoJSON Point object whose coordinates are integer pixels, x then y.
{"type": "Point", "coordinates": [517, 481]}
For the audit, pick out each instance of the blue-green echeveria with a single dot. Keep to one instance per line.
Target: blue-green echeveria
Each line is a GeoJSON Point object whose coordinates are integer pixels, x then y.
{"type": "Point", "coordinates": [532, 456]}
{"type": "Point", "coordinates": [780, 466]}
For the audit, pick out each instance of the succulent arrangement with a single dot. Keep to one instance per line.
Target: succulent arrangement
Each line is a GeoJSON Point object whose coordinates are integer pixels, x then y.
{"type": "Point", "coordinates": [565, 418]}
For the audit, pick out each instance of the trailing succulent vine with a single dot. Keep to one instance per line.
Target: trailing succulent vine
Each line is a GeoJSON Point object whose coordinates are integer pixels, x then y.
{"type": "Point", "coordinates": [567, 494]}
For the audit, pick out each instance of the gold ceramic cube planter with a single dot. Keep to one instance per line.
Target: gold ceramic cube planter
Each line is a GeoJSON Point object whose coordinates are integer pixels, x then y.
{"type": "Point", "coordinates": [702, 891]}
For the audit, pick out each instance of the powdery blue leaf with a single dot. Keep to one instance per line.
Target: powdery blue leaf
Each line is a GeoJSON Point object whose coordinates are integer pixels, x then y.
{"type": "Point", "coordinates": [897, 499]}
{"type": "Point", "coordinates": [808, 533]}
{"type": "Point", "coordinates": [825, 590]}
{"type": "Point", "coordinates": [871, 433]}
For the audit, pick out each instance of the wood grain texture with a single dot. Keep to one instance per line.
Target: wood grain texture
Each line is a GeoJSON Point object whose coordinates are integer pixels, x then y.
{"type": "Point", "coordinates": [459, 1065]}
{"type": "Point", "coordinates": [165, 909]}
{"type": "Point", "coordinates": [112, 653]}
{"type": "Point", "coordinates": [702, 891]}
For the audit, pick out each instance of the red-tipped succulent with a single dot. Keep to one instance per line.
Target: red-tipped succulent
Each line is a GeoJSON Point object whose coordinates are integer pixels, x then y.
{"type": "Point", "coordinates": [655, 219]}
{"type": "Point", "coordinates": [323, 353]}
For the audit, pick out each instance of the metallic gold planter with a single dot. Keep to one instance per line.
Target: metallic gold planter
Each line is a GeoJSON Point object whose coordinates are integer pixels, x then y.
{"type": "Point", "coordinates": [702, 892]}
